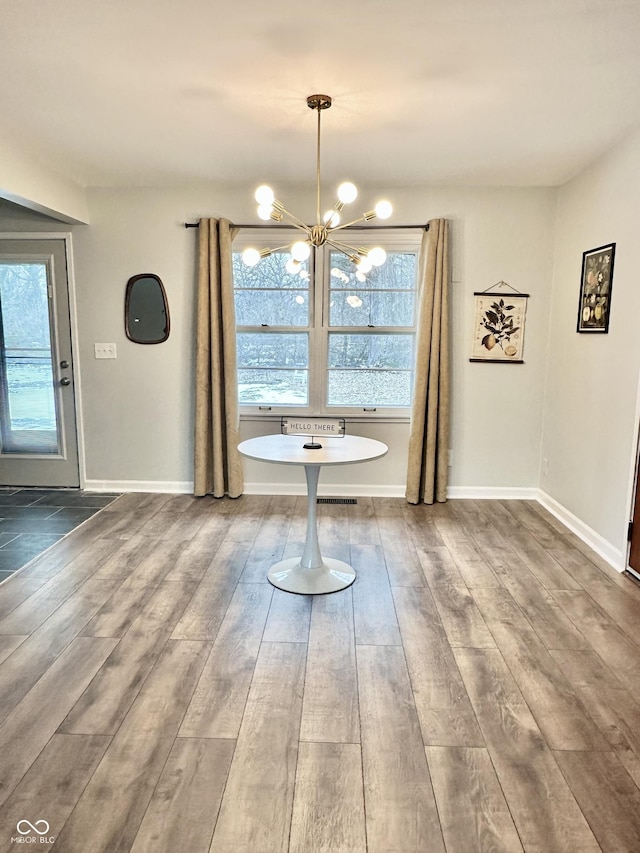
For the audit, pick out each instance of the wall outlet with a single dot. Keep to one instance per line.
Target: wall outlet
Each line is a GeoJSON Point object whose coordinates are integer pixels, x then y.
{"type": "Point", "coordinates": [104, 350]}
{"type": "Point", "coordinates": [545, 467]}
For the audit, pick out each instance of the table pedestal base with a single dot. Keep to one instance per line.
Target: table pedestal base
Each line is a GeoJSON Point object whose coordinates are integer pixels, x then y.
{"type": "Point", "coordinates": [331, 576]}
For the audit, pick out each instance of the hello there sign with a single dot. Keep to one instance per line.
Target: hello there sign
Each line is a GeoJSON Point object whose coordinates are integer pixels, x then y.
{"type": "Point", "coordinates": [332, 427]}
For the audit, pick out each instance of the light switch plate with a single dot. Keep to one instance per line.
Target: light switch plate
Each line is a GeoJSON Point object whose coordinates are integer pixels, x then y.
{"type": "Point", "coordinates": [104, 350]}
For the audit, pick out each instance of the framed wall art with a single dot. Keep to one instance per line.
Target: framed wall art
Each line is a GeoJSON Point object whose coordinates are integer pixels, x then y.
{"type": "Point", "coordinates": [498, 331]}
{"type": "Point", "coordinates": [595, 289]}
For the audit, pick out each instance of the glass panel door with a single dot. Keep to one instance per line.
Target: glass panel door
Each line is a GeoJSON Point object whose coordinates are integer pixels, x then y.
{"type": "Point", "coordinates": [38, 443]}
{"type": "Point", "coordinates": [28, 419]}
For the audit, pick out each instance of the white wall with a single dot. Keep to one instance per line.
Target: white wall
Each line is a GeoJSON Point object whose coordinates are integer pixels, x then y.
{"type": "Point", "coordinates": [138, 410]}
{"type": "Point", "coordinates": [590, 419]}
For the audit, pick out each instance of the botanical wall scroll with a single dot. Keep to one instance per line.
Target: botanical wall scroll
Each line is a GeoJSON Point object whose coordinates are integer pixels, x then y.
{"type": "Point", "coordinates": [498, 331]}
{"type": "Point", "coordinates": [595, 289]}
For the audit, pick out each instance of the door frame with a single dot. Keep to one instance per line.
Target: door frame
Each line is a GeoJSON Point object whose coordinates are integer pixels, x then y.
{"type": "Point", "coordinates": [67, 238]}
{"type": "Point", "coordinates": [633, 486]}
{"type": "Point", "coordinates": [634, 527]}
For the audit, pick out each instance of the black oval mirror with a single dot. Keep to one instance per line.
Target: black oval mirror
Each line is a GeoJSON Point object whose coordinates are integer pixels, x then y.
{"type": "Point", "coordinates": [146, 312]}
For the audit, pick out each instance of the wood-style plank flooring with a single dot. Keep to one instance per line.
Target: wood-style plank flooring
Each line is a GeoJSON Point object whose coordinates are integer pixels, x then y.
{"type": "Point", "coordinates": [476, 689]}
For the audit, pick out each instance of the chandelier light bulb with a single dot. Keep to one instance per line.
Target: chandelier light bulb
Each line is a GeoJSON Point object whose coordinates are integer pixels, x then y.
{"type": "Point", "coordinates": [347, 192]}
{"type": "Point", "coordinates": [365, 265]}
{"type": "Point", "coordinates": [264, 195]}
{"type": "Point", "coordinates": [250, 257]}
{"type": "Point", "coordinates": [300, 251]}
{"type": "Point", "coordinates": [265, 211]}
{"type": "Point", "coordinates": [292, 266]}
{"type": "Point", "coordinates": [332, 219]}
{"type": "Point", "coordinates": [377, 256]}
{"type": "Point", "coordinates": [383, 210]}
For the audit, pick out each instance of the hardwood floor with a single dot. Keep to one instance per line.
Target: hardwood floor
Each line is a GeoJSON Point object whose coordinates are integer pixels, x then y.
{"type": "Point", "coordinates": [476, 689]}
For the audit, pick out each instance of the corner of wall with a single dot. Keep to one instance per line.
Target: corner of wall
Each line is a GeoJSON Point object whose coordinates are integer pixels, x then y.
{"type": "Point", "coordinates": [547, 349]}
{"type": "Point", "coordinates": [614, 556]}
{"type": "Point", "coordinates": [27, 183]}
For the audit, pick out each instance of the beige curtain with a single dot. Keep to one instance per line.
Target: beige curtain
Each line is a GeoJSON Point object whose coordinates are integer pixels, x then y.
{"type": "Point", "coordinates": [218, 469]}
{"type": "Point", "coordinates": [429, 433]}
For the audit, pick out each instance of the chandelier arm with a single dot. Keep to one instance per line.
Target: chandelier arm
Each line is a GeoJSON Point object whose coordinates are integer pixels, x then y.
{"type": "Point", "coordinates": [286, 246]}
{"type": "Point", "coordinates": [293, 220]}
{"type": "Point", "coordinates": [345, 248]}
{"type": "Point", "coordinates": [362, 218]}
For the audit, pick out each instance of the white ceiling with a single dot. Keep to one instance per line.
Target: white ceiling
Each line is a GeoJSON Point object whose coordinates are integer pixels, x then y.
{"type": "Point", "coordinates": [163, 92]}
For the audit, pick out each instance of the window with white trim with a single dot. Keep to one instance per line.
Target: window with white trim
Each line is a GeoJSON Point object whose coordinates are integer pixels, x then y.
{"type": "Point", "coordinates": [327, 339]}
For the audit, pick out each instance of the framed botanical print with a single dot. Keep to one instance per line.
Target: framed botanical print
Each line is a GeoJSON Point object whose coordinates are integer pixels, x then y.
{"type": "Point", "coordinates": [498, 332]}
{"type": "Point", "coordinates": [595, 289]}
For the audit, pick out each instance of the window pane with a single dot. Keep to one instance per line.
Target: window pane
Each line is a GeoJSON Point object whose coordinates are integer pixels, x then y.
{"type": "Point", "coordinates": [371, 350]}
{"type": "Point", "coordinates": [398, 272]}
{"type": "Point", "coordinates": [370, 370]}
{"type": "Point", "coordinates": [369, 388]}
{"type": "Point", "coordinates": [273, 387]}
{"type": "Point", "coordinates": [371, 308]}
{"type": "Point", "coordinates": [28, 420]}
{"type": "Point", "coordinates": [269, 272]}
{"type": "Point", "coordinates": [272, 349]}
{"type": "Point", "coordinates": [272, 307]}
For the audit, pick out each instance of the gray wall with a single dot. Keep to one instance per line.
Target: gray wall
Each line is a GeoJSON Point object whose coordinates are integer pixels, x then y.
{"type": "Point", "coordinates": [138, 409]}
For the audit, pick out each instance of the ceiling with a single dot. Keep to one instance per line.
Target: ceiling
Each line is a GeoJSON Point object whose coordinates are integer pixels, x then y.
{"type": "Point", "coordinates": [167, 92]}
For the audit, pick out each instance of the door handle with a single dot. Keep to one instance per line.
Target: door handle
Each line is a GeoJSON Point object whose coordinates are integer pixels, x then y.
{"type": "Point", "coordinates": [65, 381]}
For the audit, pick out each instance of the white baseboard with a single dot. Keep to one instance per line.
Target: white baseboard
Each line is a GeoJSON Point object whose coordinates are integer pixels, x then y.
{"type": "Point", "coordinates": [170, 487]}
{"type": "Point", "coordinates": [589, 536]}
{"type": "Point", "coordinates": [389, 491]}
{"type": "Point", "coordinates": [338, 490]}
{"type": "Point", "coordinates": [324, 489]}
{"type": "Point", "coordinates": [494, 493]}
{"type": "Point", "coordinates": [166, 486]}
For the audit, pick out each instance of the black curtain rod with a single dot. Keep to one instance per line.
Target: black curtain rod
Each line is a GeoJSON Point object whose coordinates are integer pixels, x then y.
{"type": "Point", "coordinates": [292, 227]}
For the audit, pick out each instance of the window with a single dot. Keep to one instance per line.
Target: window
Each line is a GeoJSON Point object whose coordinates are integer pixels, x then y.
{"type": "Point", "coordinates": [274, 321]}
{"type": "Point", "coordinates": [328, 339]}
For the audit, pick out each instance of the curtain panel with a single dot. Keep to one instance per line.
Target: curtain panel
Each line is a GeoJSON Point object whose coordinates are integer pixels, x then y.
{"type": "Point", "coordinates": [428, 463]}
{"type": "Point", "coordinates": [217, 464]}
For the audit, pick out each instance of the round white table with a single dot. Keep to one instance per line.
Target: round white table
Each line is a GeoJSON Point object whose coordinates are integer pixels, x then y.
{"type": "Point", "coordinates": [311, 574]}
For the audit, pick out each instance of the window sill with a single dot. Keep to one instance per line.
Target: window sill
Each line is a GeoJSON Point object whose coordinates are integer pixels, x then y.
{"type": "Point", "coordinates": [361, 418]}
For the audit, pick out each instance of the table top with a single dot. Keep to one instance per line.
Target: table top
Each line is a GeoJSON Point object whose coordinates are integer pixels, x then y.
{"type": "Point", "coordinates": [289, 450]}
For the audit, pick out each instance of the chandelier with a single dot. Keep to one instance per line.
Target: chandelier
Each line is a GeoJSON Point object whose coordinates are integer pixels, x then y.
{"type": "Point", "coordinates": [326, 227]}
